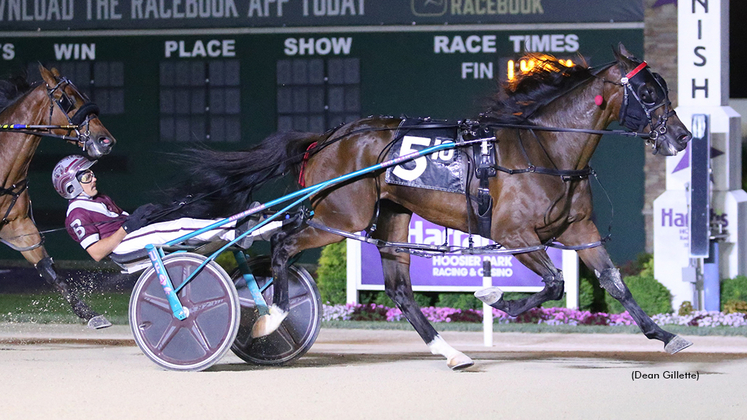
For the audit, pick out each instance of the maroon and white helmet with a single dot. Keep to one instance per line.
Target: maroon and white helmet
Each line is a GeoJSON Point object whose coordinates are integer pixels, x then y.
{"type": "Point", "coordinates": [64, 175]}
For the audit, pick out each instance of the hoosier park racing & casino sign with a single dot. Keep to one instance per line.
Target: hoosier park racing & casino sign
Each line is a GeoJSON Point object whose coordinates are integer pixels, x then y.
{"type": "Point", "coordinates": [447, 272]}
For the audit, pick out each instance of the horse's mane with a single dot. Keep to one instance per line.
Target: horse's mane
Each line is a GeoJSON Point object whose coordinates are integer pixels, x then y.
{"type": "Point", "coordinates": [12, 88]}
{"type": "Point", "coordinates": [548, 79]}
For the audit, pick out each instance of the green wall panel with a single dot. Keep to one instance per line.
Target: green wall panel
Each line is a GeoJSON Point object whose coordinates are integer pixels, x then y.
{"type": "Point", "coordinates": [400, 74]}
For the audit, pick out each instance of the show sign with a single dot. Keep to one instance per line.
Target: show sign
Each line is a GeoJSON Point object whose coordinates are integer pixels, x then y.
{"type": "Point", "coordinates": [453, 272]}
{"type": "Point", "coordinates": [27, 15]}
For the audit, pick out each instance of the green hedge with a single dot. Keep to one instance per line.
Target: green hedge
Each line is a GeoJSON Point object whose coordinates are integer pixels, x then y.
{"type": "Point", "coordinates": [380, 298]}
{"type": "Point", "coordinates": [332, 273]}
{"type": "Point", "coordinates": [653, 297]}
{"type": "Point", "coordinates": [733, 290]}
{"type": "Point", "coordinates": [638, 275]}
{"type": "Point", "coordinates": [591, 297]}
{"type": "Point", "coordinates": [461, 301]}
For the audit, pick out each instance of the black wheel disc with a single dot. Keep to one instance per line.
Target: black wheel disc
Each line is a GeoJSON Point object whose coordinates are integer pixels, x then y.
{"type": "Point", "coordinates": [298, 331]}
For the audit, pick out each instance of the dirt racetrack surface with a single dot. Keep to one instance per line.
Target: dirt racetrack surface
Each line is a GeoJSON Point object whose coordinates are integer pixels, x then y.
{"type": "Point", "coordinates": [67, 372]}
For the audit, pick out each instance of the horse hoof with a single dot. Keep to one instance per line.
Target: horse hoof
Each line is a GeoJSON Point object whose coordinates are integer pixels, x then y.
{"type": "Point", "coordinates": [460, 361]}
{"type": "Point", "coordinates": [98, 322]}
{"type": "Point", "coordinates": [677, 344]}
{"type": "Point", "coordinates": [490, 295]}
{"type": "Point", "coordinates": [267, 324]}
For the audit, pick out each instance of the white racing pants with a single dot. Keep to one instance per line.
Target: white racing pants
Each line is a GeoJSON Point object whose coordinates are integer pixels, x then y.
{"type": "Point", "coordinates": [162, 232]}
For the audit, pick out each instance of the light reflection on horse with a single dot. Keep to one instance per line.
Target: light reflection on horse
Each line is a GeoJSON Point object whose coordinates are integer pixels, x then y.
{"type": "Point", "coordinates": [530, 207]}
{"type": "Point", "coordinates": [54, 102]}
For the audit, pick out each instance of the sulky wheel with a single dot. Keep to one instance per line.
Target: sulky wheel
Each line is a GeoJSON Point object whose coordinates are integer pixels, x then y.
{"type": "Point", "coordinates": [202, 338]}
{"type": "Point", "coordinates": [298, 331]}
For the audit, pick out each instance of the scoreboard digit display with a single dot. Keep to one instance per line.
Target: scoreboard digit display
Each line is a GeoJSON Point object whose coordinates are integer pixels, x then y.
{"type": "Point", "coordinates": [238, 71]}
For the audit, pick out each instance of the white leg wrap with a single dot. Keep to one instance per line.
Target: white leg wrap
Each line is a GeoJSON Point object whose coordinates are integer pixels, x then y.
{"type": "Point", "coordinates": [269, 323]}
{"type": "Point", "coordinates": [439, 346]}
{"type": "Point", "coordinates": [455, 359]}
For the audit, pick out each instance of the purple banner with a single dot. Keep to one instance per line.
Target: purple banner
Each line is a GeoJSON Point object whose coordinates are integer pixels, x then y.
{"type": "Point", "coordinates": [459, 271]}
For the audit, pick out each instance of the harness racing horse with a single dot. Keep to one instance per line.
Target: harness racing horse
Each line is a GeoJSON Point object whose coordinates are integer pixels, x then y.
{"type": "Point", "coordinates": [540, 192]}
{"type": "Point", "coordinates": [53, 107]}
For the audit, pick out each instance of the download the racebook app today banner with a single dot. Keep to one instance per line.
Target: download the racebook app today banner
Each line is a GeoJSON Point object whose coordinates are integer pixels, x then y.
{"type": "Point", "coordinates": [162, 14]}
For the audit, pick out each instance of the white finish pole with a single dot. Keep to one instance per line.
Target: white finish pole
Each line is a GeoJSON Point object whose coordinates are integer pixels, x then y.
{"type": "Point", "coordinates": [487, 310]}
{"type": "Point", "coordinates": [353, 252]}
{"type": "Point", "coordinates": [570, 276]}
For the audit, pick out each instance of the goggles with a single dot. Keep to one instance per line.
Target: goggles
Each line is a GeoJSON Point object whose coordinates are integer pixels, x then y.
{"type": "Point", "coordinates": [85, 177]}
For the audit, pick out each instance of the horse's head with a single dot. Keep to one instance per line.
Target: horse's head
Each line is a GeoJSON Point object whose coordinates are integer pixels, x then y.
{"type": "Point", "coordinates": [646, 107]}
{"type": "Point", "coordinates": [69, 107]}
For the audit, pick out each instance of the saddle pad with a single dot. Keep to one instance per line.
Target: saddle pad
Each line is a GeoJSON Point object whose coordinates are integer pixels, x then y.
{"type": "Point", "coordinates": [441, 171]}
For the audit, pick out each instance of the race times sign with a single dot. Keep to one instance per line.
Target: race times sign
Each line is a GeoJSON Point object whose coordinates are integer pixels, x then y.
{"type": "Point", "coordinates": [451, 272]}
{"type": "Point", "coordinates": [160, 14]}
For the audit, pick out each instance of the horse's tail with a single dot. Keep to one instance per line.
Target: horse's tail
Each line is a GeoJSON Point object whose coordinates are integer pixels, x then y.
{"type": "Point", "coordinates": [220, 184]}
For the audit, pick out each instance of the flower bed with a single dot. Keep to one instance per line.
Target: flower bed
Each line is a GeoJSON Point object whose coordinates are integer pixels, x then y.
{"type": "Point", "coordinates": [550, 316]}
{"type": "Point", "coordinates": [703, 319]}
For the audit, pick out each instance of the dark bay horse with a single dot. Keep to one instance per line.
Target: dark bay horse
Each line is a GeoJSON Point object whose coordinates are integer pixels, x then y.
{"type": "Point", "coordinates": [531, 207]}
{"type": "Point", "coordinates": [54, 102]}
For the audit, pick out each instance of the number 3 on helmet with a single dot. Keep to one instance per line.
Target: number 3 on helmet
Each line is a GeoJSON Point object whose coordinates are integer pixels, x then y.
{"type": "Point", "coordinates": [64, 175]}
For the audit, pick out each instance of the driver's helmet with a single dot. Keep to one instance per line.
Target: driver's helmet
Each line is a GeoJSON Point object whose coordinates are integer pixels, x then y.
{"type": "Point", "coordinates": [64, 175]}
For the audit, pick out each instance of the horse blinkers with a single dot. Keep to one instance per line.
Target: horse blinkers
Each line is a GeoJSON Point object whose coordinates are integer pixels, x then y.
{"type": "Point", "coordinates": [650, 92]}
{"type": "Point", "coordinates": [87, 111]}
{"type": "Point", "coordinates": [65, 103]}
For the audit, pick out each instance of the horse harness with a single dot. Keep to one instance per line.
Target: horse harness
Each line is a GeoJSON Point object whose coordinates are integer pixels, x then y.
{"type": "Point", "coordinates": [15, 191]}
{"type": "Point", "coordinates": [634, 115]}
{"type": "Point", "coordinates": [486, 167]}
{"type": "Point", "coordinates": [475, 135]}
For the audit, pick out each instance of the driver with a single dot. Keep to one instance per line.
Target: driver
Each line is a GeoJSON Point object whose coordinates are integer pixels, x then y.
{"type": "Point", "coordinates": [101, 227]}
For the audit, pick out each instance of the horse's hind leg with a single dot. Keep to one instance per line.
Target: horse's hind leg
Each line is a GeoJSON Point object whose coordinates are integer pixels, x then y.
{"type": "Point", "coordinates": [393, 226]}
{"type": "Point", "coordinates": [281, 249]}
{"type": "Point", "coordinates": [540, 263]}
{"type": "Point", "coordinates": [294, 238]}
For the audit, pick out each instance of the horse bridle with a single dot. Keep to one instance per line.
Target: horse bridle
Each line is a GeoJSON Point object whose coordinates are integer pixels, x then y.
{"type": "Point", "coordinates": [82, 117]}
{"type": "Point", "coordinates": [79, 120]}
{"type": "Point", "coordinates": [636, 115]}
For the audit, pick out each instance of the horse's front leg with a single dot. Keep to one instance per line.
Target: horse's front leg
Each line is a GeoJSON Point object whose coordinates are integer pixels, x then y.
{"type": "Point", "coordinates": [609, 278]}
{"type": "Point", "coordinates": [393, 226]}
{"type": "Point", "coordinates": [23, 233]}
{"type": "Point", "coordinates": [540, 263]}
